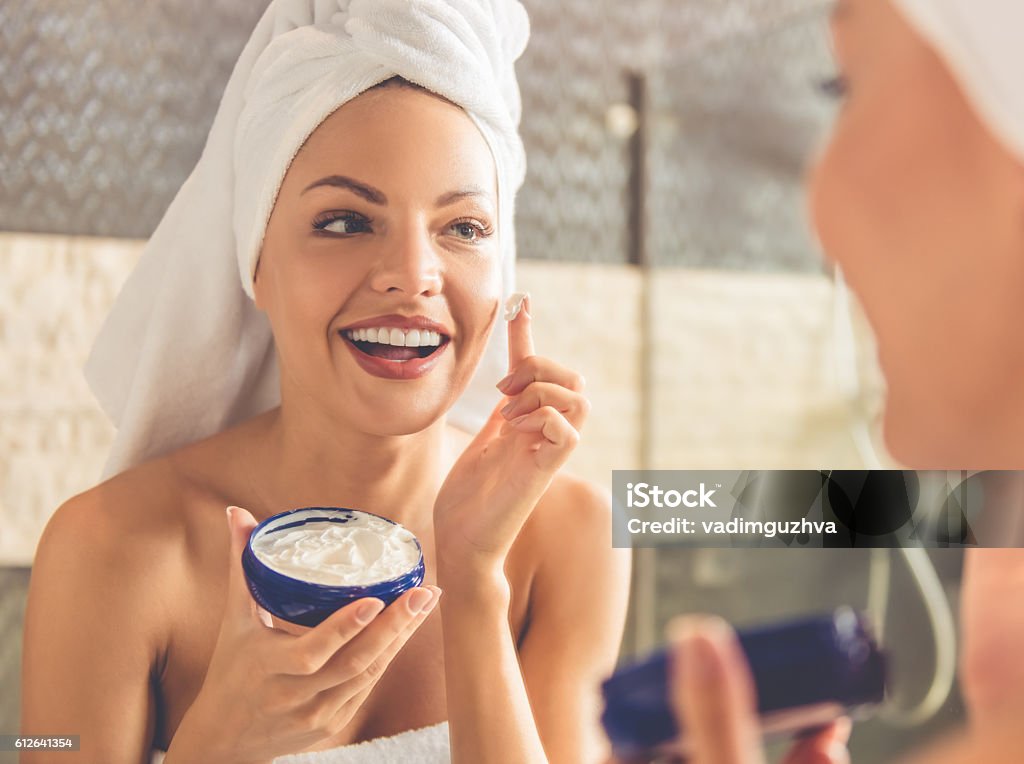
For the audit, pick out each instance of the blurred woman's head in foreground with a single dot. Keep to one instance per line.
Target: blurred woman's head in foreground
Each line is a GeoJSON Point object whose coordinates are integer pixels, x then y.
{"type": "Point", "coordinates": [921, 203]}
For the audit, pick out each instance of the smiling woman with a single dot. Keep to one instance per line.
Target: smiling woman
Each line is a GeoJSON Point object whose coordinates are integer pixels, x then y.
{"type": "Point", "coordinates": [397, 224]}
{"type": "Point", "coordinates": [372, 232]}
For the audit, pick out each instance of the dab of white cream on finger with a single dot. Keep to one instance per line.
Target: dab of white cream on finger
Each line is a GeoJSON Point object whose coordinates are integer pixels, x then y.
{"type": "Point", "coordinates": [514, 304]}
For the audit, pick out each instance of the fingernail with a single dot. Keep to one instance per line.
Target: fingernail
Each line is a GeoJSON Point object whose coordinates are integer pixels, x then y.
{"type": "Point", "coordinates": [700, 641]}
{"type": "Point", "coordinates": [518, 420]}
{"type": "Point", "coordinates": [508, 409]}
{"type": "Point", "coordinates": [368, 610]}
{"type": "Point", "coordinates": [504, 383]}
{"type": "Point", "coordinates": [437, 598]}
{"type": "Point", "coordinates": [698, 657]}
{"type": "Point", "coordinates": [419, 599]}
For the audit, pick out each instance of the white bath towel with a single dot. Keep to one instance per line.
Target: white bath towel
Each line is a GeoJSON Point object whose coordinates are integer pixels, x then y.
{"type": "Point", "coordinates": [429, 745]}
{"type": "Point", "coordinates": [982, 41]}
{"type": "Point", "coordinates": [185, 353]}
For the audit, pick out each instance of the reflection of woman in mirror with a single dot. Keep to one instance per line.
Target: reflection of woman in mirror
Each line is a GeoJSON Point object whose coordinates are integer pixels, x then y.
{"type": "Point", "coordinates": [920, 198]}
{"type": "Point", "coordinates": [360, 178]}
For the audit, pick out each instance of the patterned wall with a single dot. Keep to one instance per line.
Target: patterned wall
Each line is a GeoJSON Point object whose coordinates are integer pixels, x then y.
{"type": "Point", "coordinates": [104, 108]}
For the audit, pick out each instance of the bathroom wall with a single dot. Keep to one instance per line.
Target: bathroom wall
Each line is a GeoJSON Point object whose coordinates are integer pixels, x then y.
{"type": "Point", "coordinates": [721, 351]}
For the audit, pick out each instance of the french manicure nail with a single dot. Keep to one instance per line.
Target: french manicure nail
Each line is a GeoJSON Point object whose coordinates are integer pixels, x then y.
{"type": "Point", "coordinates": [419, 599]}
{"type": "Point", "coordinates": [697, 656]}
{"type": "Point", "coordinates": [704, 641]}
{"type": "Point", "coordinates": [433, 603]}
{"type": "Point", "coordinates": [368, 610]}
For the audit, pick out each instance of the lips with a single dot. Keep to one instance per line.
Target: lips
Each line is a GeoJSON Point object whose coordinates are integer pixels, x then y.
{"type": "Point", "coordinates": [396, 347]}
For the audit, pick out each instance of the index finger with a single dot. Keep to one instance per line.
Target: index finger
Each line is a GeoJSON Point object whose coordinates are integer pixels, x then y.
{"type": "Point", "coordinates": [713, 693]}
{"type": "Point", "coordinates": [313, 648]}
{"type": "Point", "coordinates": [520, 335]}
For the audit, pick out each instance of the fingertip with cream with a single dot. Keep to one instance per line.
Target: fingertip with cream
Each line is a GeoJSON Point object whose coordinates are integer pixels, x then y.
{"type": "Point", "coordinates": [516, 302]}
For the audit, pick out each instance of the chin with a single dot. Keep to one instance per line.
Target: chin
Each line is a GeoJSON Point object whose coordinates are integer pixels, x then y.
{"type": "Point", "coordinates": [923, 439]}
{"type": "Point", "coordinates": [398, 420]}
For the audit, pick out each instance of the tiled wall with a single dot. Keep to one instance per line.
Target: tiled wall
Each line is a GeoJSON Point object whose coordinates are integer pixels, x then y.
{"type": "Point", "coordinates": [737, 368]}
{"type": "Point", "coordinates": [106, 104]}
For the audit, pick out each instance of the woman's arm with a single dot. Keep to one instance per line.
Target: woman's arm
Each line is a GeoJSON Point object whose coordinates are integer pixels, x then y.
{"type": "Point", "coordinates": [89, 643]}
{"type": "Point", "coordinates": [489, 713]}
{"type": "Point", "coordinates": [540, 703]}
{"type": "Point", "coordinates": [578, 611]}
{"type": "Point", "coordinates": [502, 479]}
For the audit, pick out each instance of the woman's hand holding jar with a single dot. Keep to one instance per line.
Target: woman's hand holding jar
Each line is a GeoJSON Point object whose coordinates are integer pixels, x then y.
{"type": "Point", "coordinates": [269, 691]}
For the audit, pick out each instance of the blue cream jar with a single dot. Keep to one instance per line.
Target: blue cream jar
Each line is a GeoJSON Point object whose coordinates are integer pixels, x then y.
{"type": "Point", "coordinates": [304, 564]}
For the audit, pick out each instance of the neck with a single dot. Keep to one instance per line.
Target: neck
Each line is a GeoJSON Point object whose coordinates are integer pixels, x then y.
{"type": "Point", "coordinates": [301, 458]}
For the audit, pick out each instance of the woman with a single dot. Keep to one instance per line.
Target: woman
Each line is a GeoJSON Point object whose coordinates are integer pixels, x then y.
{"type": "Point", "coordinates": [919, 197]}
{"type": "Point", "coordinates": [353, 201]}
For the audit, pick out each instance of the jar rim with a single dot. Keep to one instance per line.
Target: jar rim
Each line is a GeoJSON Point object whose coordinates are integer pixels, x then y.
{"type": "Point", "coordinates": [373, 589]}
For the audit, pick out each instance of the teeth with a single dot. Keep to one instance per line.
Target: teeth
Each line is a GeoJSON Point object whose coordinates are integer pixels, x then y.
{"type": "Point", "coordinates": [391, 336]}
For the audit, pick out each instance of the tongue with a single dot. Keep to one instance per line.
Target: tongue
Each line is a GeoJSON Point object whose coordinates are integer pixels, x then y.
{"type": "Point", "coordinates": [391, 352]}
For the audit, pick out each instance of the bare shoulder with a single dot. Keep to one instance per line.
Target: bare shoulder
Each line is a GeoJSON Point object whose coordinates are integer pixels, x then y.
{"type": "Point", "coordinates": [132, 506]}
{"type": "Point", "coordinates": [572, 526]}
{"type": "Point", "coordinates": [576, 503]}
{"type": "Point", "coordinates": [150, 514]}
{"type": "Point", "coordinates": [118, 537]}
{"type": "Point", "coordinates": [96, 622]}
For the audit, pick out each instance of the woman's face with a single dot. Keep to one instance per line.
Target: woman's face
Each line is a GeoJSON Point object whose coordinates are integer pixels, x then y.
{"type": "Point", "coordinates": [380, 269]}
{"type": "Point", "coordinates": [924, 211]}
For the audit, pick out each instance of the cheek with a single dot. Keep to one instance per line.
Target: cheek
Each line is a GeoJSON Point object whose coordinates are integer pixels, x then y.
{"type": "Point", "coordinates": [474, 294]}
{"type": "Point", "coordinates": [301, 298]}
{"type": "Point", "coordinates": [848, 216]}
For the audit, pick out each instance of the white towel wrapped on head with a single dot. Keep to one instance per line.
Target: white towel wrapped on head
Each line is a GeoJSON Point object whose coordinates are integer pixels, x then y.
{"type": "Point", "coordinates": [982, 42]}
{"type": "Point", "coordinates": [185, 353]}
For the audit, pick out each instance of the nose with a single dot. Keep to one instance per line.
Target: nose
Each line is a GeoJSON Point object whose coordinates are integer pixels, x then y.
{"type": "Point", "coordinates": [409, 264]}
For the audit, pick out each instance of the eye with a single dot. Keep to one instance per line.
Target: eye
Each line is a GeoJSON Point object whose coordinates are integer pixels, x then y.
{"type": "Point", "coordinates": [470, 230]}
{"type": "Point", "coordinates": [342, 223]}
{"type": "Point", "coordinates": [833, 87]}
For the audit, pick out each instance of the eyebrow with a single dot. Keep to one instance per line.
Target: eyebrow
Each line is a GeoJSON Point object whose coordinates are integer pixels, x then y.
{"type": "Point", "coordinates": [453, 196]}
{"type": "Point", "coordinates": [369, 193]}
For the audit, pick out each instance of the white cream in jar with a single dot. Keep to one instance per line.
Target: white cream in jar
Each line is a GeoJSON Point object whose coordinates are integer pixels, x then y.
{"type": "Point", "coordinates": [362, 551]}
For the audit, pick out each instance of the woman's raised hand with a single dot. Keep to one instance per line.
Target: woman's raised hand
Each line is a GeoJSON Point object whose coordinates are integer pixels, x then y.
{"type": "Point", "coordinates": [714, 699]}
{"type": "Point", "coordinates": [268, 692]}
{"type": "Point", "coordinates": [505, 470]}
